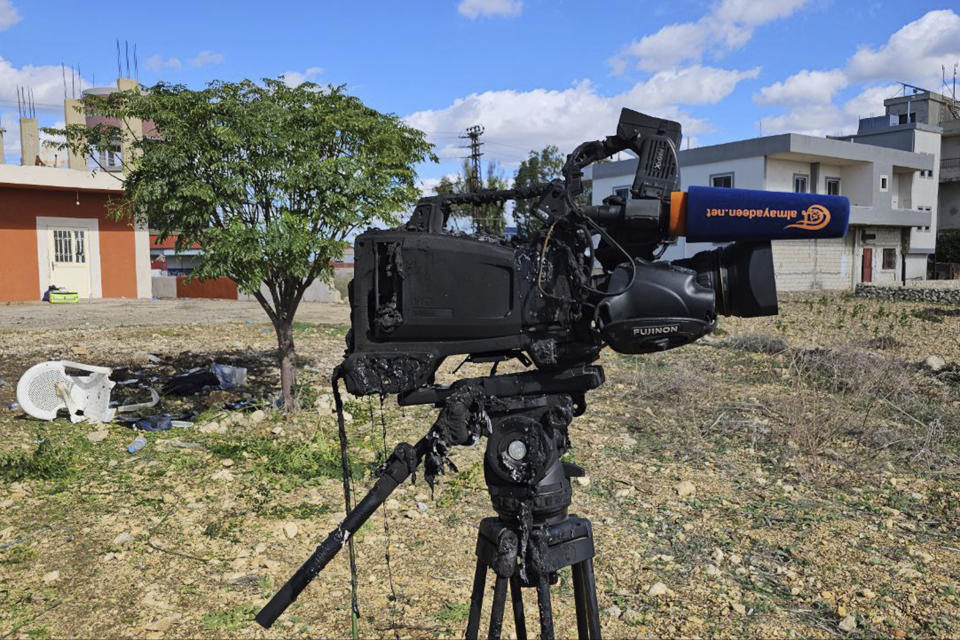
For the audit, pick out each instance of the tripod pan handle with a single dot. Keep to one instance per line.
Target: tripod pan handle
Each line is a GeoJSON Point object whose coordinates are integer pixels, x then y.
{"type": "Point", "coordinates": [289, 592]}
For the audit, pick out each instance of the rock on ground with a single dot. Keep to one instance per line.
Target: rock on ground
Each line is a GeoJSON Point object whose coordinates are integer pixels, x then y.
{"type": "Point", "coordinates": [685, 488]}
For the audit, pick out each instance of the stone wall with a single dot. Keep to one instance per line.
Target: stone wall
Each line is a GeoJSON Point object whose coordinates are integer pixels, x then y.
{"type": "Point", "coordinates": [948, 295]}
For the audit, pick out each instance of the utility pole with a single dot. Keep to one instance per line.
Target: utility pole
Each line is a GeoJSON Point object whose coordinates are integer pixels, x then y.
{"type": "Point", "coordinates": [475, 182]}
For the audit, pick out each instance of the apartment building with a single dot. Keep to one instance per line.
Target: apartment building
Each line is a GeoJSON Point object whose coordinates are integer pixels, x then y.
{"type": "Point", "coordinates": [889, 173]}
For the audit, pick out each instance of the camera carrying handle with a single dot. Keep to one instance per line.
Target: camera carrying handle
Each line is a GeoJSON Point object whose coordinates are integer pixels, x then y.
{"type": "Point", "coordinates": [654, 141]}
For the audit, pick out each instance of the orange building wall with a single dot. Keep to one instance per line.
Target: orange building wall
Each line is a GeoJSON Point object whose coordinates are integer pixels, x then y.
{"type": "Point", "coordinates": [206, 288]}
{"type": "Point", "coordinates": [19, 209]}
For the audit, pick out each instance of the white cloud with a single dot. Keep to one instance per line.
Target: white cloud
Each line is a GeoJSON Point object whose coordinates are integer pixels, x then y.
{"type": "Point", "coordinates": [11, 137]}
{"type": "Point", "coordinates": [205, 58]}
{"type": "Point", "coordinates": [49, 154]}
{"type": "Point", "coordinates": [830, 119]}
{"type": "Point", "coordinates": [9, 15]}
{"type": "Point", "coordinates": [159, 63]}
{"type": "Point", "coordinates": [428, 186]}
{"type": "Point", "coordinates": [486, 8]}
{"type": "Point", "coordinates": [914, 53]}
{"type": "Point", "coordinates": [296, 78]}
{"type": "Point", "coordinates": [869, 102]}
{"type": "Point", "coordinates": [518, 121]}
{"type": "Point", "coordinates": [804, 87]}
{"type": "Point", "coordinates": [46, 82]}
{"type": "Point", "coordinates": [814, 120]}
{"type": "Point", "coordinates": [690, 85]}
{"type": "Point", "coordinates": [11, 140]}
{"type": "Point", "coordinates": [729, 25]}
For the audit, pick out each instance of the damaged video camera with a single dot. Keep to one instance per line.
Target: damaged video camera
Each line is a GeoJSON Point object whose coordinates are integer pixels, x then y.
{"type": "Point", "coordinates": [586, 278]}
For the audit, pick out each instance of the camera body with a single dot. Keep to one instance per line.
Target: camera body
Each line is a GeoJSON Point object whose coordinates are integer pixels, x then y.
{"type": "Point", "coordinates": [587, 278]}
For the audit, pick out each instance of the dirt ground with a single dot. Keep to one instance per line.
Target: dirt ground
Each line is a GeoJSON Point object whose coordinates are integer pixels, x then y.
{"type": "Point", "coordinates": [796, 476]}
{"type": "Point", "coordinates": [133, 313]}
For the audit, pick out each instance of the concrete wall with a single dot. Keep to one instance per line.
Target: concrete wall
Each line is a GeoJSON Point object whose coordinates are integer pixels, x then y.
{"type": "Point", "coordinates": [748, 173]}
{"type": "Point", "coordinates": [948, 206]}
{"type": "Point", "coordinates": [780, 173]}
{"type": "Point", "coordinates": [20, 273]}
{"type": "Point", "coordinates": [164, 287]}
{"type": "Point", "coordinates": [925, 194]}
{"type": "Point", "coordinates": [811, 265]}
{"type": "Point", "coordinates": [318, 291]}
{"type": "Point", "coordinates": [220, 288]}
{"type": "Point", "coordinates": [885, 238]}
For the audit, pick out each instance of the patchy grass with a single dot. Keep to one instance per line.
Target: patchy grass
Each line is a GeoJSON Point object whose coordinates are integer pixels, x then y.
{"type": "Point", "coordinates": [230, 620]}
{"type": "Point", "coordinates": [58, 454]}
{"type": "Point", "coordinates": [453, 612]}
{"type": "Point", "coordinates": [826, 478]}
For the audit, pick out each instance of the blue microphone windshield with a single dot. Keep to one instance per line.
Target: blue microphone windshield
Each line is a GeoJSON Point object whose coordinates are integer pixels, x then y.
{"type": "Point", "coordinates": [716, 214]}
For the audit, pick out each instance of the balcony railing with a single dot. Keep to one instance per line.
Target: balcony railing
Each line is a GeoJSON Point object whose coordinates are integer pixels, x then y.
{"type": "Point", "coordinates": [949, 169]}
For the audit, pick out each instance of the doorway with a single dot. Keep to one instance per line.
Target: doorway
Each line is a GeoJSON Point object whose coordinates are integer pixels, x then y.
{"type": "Point", "coordinates": [69, 252]}
{"type": "Point", "coordinates": [866, 266]}
{"type": "Point", "coordinates": [68, 255]}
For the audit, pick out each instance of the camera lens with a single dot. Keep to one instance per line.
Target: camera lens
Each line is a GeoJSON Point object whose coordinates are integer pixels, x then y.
{"type": "Point", "coordinates": [742, 277]}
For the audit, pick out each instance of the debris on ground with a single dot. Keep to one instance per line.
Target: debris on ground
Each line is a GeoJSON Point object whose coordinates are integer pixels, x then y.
{"type": "Point", "coordinates": [138, 443]}
{"type": "Point", "coordinates": [819, 494]}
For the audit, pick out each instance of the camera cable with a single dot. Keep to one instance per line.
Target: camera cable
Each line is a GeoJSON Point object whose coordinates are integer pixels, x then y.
{"type": "Point", "coordinates": [386, 524]}
{"type": "Point", "coordinates": [345, 472]}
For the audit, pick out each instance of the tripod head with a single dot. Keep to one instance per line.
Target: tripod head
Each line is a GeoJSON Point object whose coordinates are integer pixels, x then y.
{"type": "Point", "coordinates": [525, 418]}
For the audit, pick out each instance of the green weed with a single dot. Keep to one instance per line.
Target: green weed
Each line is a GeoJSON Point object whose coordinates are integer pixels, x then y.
{"type": "Point", "coordinates": [453, 612]}
{"type": "Point", "coordinates": [230, 620]}
{"type": "Point", "coordinates": [57, 457]}
{"type": "Point", "coordinates": [469, 479]}
{"type": "Point", "coordinates": [315, 458]}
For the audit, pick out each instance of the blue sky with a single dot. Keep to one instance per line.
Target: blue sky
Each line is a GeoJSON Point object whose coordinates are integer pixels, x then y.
{"type": "Point", "coordinates": [533, 72]}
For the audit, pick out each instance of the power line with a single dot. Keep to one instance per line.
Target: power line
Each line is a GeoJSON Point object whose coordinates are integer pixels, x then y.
{"type": "Point", "coordinates": [474, 181]}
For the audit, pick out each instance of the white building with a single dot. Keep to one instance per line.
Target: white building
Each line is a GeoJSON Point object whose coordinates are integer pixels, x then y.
{"type": "Point", "coordinates": [889, 174]}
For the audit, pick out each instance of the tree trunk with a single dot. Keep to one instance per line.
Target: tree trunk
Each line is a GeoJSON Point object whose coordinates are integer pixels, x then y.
{"type": "Point", "coordinates": [288, 372]}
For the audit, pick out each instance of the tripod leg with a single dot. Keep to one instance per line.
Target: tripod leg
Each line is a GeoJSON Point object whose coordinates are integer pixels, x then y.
{"type": "Point", "coordinates": [496, 612]}
{"type": "Point", "coordinates": [588, 587]}
{"type": "Point", "coordinates": [580, 603]}
{"type": "Point", "coordinates": [546, 613]}
{"type": "Point", "coordinates": [476, 600]}
{"type": "Point", "coordinates": [516, 595]}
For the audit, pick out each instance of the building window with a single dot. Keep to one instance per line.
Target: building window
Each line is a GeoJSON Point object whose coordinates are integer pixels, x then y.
{"type": "Point", "coordinates": [80, 247]}
{"type": "Point", "coordinates": [889, 258]}
{"type": "Point", "coordinates": [883, 183]}
{"type": "Point", "coordinates": [833, 186]}
{"type": "Point", "coordinates": [622, 192]}
{"type": "Point", "coordinates": [800, 182]}
{"type": "Point", "coordinates": [62, 246]}
{"type": "Point", "coordinates": [722, 180]}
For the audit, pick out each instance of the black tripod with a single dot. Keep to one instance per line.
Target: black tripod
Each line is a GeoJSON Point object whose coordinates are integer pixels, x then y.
{"type": "Point", "coordinates": [525, 417]}
{"type": "Point", "coordinates": [567, 543]}
{"type": "Point", "coordinates": [532, 537]}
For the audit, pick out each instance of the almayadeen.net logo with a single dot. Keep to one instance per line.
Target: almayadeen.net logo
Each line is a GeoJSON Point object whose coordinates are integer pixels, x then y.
{"type": "Point", "coordinates": [812, 218]}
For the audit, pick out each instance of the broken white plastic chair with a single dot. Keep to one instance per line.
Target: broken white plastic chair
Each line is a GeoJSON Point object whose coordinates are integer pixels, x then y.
{"type": "Point", "coordinates": [46, 388]}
